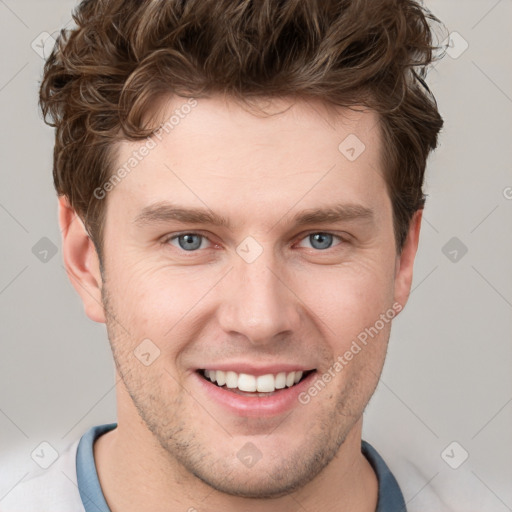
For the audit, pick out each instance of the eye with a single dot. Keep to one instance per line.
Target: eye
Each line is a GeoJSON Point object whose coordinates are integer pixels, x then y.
{"type": "Point", "coordinates": [320, 241]}
{"type": "Point", "coordinates": [188, 241]}
{"type": "Point", "coordinates": [192, 242]}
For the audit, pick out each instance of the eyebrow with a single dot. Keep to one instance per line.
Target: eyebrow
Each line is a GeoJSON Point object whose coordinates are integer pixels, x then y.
{"type": "Point", "coordinates": [164, 212]}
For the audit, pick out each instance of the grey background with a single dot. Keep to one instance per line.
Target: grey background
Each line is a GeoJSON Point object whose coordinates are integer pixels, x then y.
{"type": "Point", "coordinates": [448, 375]}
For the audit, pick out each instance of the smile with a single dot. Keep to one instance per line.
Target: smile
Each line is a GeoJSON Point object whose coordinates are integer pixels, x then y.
{"type": "Point", "coordinates": [252, 384]}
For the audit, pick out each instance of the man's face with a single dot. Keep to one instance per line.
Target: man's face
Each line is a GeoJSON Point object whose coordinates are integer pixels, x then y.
{"type": "Point", "coordinates": [259, 294]}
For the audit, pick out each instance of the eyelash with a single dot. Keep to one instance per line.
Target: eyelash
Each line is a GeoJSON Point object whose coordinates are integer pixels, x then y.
{"type": "Point", "coordinates": [175, 236]}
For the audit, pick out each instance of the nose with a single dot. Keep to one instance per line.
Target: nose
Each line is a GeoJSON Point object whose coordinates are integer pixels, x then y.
{"type": "Point", "coordinates": [258, 303]}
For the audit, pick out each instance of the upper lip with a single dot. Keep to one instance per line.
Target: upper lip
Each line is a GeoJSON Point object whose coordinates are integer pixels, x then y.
{"type": "Point", "coordinates": [252, 369]}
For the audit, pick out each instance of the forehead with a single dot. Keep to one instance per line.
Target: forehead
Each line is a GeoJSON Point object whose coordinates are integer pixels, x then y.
{"type": "Point", "coordinates": [217, 152]}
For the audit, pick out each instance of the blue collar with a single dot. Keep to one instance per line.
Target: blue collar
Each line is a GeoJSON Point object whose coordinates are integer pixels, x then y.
{"type": "Point", "coordinates": [390, 497]}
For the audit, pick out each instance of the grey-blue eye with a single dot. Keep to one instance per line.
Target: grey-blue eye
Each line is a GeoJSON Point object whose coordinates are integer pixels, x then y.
{"type": "Point", "coordinates": [188, 241]}
{"type": "Point", "coordinates": [193, 241]}
{"type": "Point", "coordinates": [321, 241]}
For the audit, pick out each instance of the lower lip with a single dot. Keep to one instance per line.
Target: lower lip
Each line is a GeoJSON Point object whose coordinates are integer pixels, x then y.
{"type": "Point", "coordinates": [277, 403]}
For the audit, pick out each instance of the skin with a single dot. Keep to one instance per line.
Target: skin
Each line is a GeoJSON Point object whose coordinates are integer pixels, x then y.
{"type": "Point", "coordinates": [295, 303]}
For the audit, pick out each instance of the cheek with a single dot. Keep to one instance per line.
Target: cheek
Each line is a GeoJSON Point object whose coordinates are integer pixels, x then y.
{"type": "Point", "coordinates": [347, 299]}
{"type": "Point", "coordinates": [156, 299]}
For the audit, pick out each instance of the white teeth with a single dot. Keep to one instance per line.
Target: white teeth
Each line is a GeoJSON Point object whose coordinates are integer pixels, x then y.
{"type": "Point", "coordinates": [231, 380]}
{"type": "Point", "coordinates": [265, 383]}
{"type": "Point", "coordinates": [280, 380]}
{"type": "Point", "coordinates": [250, 383]}
{"type": "Point", "coordinates": [246, 382]}
{"type": "Point", "coordinates": [290, 379]}
{"type": "Point", "coordinates": [221, 378]}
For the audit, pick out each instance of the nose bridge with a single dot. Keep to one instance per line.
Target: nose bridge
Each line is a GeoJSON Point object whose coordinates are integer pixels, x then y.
{"type": "Point", "coordinates": [258, 304]}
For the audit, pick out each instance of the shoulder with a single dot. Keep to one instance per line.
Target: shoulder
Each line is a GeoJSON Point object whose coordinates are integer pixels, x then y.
{"type": "Point", "coordinates": [52, 490]}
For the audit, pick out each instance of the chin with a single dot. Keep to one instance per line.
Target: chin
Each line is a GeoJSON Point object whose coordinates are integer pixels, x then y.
{"type": "Point", "coordinates": [262, 485]}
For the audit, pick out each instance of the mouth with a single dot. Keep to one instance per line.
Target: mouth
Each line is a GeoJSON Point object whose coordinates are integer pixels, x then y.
{"type": "Point", "coordinates": [246, 384]}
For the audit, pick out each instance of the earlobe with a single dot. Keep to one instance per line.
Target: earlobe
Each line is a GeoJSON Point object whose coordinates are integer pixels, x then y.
{"type": "Point", "coordinates": [405, 261]}
{"type": "Point", "coordinates": [81, 261]}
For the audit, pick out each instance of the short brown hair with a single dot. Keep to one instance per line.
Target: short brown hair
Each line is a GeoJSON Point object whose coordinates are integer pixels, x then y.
{"type": "Point", "coordinates": [103, 77]}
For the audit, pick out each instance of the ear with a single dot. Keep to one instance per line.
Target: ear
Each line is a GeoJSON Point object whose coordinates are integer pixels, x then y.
{"type": "Point", "coordinates": [405, 261]}
{"type": "Point", "coordinates": [81, 261]}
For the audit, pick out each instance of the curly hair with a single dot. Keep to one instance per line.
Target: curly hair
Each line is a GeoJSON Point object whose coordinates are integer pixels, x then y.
{"type": "Point", "coordinates": [105, 75]}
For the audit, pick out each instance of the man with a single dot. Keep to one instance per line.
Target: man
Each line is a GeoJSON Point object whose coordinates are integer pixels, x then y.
{"type": "Point", "coordinates": [240, 194]}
